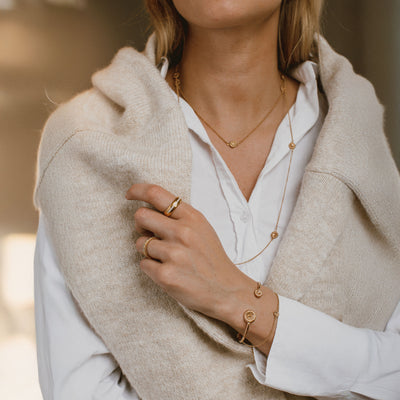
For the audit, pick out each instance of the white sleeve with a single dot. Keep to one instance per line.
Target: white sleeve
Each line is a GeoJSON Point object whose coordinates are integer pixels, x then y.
{"type": "Point", "coordinates": [315, 355]}
{"type": "Point", "coordinates": [73, 361]}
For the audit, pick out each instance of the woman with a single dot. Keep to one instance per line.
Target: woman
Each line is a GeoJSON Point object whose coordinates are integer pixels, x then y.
{"type": "Point", "coordinates": [204, 154]}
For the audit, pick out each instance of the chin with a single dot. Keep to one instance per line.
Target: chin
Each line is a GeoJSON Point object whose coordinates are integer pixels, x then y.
{"type": "Point", "coordinates": [225, 14]}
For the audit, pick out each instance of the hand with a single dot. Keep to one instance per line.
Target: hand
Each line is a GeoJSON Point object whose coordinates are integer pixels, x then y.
{"type": "Point", "coordinates": [187, 258]}
{"type": "Point", "coordinates": [190, 264]}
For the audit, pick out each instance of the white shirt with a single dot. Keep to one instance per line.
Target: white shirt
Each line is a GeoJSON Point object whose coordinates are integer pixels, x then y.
{"type": "Point", "coordinates": [312, 354]}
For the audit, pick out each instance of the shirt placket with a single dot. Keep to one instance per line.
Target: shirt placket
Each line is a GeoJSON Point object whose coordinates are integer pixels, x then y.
{"type": "Point", "coordinates": [239, 211]}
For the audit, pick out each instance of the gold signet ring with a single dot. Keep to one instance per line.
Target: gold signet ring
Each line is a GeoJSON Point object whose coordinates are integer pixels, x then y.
{"type": "Point", "coordinates": [172, 207]}
{"type": "Point", "coordinates": [146, 243]}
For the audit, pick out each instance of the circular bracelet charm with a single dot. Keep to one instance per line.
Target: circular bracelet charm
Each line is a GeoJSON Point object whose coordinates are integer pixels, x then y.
{"type": "Point", "coordinates": [258, 292]}
{"type": "Point", "coordinates": [249, 316]}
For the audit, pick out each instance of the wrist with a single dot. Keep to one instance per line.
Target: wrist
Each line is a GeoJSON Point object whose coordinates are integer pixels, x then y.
{"type": "Point", "coordinates": [243, 298]}
{"type": "Point", "coordinates": [237, 298]}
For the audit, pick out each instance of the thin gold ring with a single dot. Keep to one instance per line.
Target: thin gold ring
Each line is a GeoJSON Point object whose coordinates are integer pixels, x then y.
{"type": "Point", "coordinates": [146, 243]}
{"type": "Point", "coordinates": [172, 207]}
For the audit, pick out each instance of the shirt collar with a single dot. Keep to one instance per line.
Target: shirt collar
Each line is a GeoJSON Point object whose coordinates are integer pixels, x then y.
{"type": "Point", "coordinates": [304, 113]}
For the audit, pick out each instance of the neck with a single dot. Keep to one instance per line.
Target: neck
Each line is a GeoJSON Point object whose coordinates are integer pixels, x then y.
{"type": "Point", "coordinates": [227, 70]}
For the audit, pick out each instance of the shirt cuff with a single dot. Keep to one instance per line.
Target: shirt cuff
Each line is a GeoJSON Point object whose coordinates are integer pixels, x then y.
{"type": "Point", "coordinates": [312, 353]}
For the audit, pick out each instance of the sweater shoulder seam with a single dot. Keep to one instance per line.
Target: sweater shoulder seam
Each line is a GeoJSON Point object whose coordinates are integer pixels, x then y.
{"type": "Point", "coordinates": [58, 149]}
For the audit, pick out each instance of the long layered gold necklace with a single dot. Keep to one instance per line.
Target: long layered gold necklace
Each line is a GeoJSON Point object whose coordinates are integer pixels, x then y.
{"type": "Point", "coordinates": [233, 144]}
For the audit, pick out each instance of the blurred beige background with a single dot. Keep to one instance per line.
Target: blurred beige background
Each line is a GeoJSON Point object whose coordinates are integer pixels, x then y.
{"type": "Point", "coordinates": [48, 51]}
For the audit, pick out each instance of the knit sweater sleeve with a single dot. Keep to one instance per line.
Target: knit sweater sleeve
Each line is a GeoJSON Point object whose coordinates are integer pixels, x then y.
{"type": "Point", "coordinates": [88, 111]}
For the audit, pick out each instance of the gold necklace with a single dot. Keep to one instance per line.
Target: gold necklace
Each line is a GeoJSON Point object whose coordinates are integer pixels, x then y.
{"type": "Point", "coordinates": [232, 144]}
{"type": "Point", "coordinates": [274, 234]}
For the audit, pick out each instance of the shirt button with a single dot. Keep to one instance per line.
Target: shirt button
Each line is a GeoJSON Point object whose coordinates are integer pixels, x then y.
{"type": "Point", "coordinates": [245, 216]}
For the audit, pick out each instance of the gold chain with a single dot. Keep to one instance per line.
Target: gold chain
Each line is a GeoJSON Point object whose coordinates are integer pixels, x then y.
{"type": "Point", "coordinates": [231, 143]}
{"type": "Point", "coordinates": [274, 234]}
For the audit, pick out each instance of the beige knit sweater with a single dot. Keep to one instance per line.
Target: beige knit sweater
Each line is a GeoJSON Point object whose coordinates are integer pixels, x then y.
{"type": "Point", "coordinates": [340, 253]}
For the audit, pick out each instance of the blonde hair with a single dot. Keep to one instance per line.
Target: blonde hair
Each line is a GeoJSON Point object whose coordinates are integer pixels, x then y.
{"type": "Point", "coordinates": [299, 21]}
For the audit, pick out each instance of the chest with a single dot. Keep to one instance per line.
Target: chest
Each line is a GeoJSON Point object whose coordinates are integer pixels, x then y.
{"type": "Point", "coordinates": [244, 225]}
{"type": "Point", "coordinates": [246, 161]}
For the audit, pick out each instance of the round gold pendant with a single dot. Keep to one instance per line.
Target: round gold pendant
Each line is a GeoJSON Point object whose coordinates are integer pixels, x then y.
{"type": "Point", "coordinates": [233, 144]}
{"type": "Point", "coordinates": [249, 316]}
{"type": "Point", "coordinates": [258, 293]}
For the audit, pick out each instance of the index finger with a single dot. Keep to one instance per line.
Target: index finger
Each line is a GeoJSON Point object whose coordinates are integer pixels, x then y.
{"type": "Point", "coordinates": [158, 197]}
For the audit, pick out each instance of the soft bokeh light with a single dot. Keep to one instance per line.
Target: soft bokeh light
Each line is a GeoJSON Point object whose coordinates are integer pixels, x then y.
{"type": "Point", "coordinates": [18, 370]}
{"type": "Point", "coordinates": [17, 270]}
{"type": "Point", "coordinates": [18, 45]}
{"type": "Point", "coordinates": [7, 4]}
{"type": "Point", "coordinates": [69, 3]}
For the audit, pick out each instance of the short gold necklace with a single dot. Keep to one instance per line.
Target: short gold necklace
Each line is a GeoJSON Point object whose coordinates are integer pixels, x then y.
{"type": "Point", "coordinates": [274, 234]}
{"type": "Point", "coordinates": [230, 143]}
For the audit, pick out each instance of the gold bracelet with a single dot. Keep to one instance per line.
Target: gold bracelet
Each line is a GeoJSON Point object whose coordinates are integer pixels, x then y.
{"type": "Point", "coordinates": [249, 316]}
